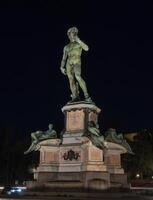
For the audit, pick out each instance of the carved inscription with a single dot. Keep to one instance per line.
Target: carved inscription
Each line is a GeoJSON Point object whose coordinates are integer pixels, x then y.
{"type": "Point", "coordinates": [50, 157]}
{"type": "Point", "coordinates": [95, 155]}
{"type": "Point", "coordinates": [93, 116]}
{"type": "Point", "coordinates": [113, 160]}
{"type": "Point", "coordinates": [75, 120]}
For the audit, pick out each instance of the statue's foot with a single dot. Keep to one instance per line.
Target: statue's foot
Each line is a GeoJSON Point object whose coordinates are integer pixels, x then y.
{"type": "Point", "coordinates": [26, 152]}
{"type": "Point", "coordinates": [75, 99]}
{"type": "Point", "coordinates": [88, 99]}
{"type": "Point", "coordinates": [37, 147]}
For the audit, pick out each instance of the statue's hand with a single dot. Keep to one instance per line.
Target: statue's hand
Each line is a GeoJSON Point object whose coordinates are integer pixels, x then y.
{"type": "Point", "coordinates": [77, 39]}
{"type": "Point", "coordinates": [82, 44]}
{"type": "Point", "coordinates": [63, 71]}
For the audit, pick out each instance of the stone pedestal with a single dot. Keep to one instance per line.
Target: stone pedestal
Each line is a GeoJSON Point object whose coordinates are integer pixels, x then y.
{"type": "Point", "coordinates": [78, 115]}
{"type": "Point", "coordinates": [75, 161]}
{"type": "Point", "coordinates": [113, 162]}
{"type": "Point", "coordinates": [49, 159]}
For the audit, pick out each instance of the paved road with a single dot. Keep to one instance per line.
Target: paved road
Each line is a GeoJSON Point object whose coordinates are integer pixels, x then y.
{"type": "Point", "coordinates": [84, 197]}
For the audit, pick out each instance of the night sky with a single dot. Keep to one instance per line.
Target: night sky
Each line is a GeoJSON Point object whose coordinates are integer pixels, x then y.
{"type": "Point", "coordinates": [117, 68]}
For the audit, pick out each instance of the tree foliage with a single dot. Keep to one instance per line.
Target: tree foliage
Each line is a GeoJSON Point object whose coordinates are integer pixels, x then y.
{"type": "Point", "coordinates": [142, 162]}
{"type": "Point", "coordinates": [13, 165]}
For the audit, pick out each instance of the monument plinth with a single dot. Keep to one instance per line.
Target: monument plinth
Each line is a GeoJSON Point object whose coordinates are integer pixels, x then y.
{"type": "Point", "coordinates": [74, 159]}
{"type": "Point", "coordinates": [82, 157]}
{"type": "Point", "coordinates": [77, 116]}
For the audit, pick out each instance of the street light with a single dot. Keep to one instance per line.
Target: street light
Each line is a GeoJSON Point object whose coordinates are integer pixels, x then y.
{"type": "Point", "coordinates": [137, 175]}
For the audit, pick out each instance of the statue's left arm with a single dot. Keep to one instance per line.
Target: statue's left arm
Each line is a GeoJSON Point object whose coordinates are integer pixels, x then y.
{"type": "Point", "coordinates": [82, 44]}
{"type": "Point", "coordinates": [63, 62]}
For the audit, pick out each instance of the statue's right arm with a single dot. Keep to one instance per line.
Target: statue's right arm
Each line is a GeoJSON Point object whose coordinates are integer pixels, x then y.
{"type": "Point", "coordinates": [63, 62]}
{"type": "Point", "coordinates": [82, 44]}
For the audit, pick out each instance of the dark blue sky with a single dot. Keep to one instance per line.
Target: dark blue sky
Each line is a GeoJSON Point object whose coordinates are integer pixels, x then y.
{"type": "Point", "coordinates": [117, 69]}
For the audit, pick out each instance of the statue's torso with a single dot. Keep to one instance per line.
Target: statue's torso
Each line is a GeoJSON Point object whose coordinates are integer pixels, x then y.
{"type": "Point", "coordinates": [74, 51]}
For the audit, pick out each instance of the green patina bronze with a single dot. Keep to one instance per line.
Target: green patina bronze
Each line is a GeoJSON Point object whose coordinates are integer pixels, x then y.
{"type": "Point", "coordinates": [98, 140]}
{"type": "Point", "coordinates": [39, 136]}
{"type": "Point", "coordinates": [112, 136]}
{"type": "Point", "coordinates": [71, 64]}
{"type": "Point", "coordinates": [94, 135]}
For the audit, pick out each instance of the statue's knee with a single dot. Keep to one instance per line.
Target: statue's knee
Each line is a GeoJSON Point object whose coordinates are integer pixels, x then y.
{"type": "Point", "coordinates": [71, 78]}
{"type": "Point", "coordinates": [78, 78]}
{"type": "Point", "coordinates": [32, 134]}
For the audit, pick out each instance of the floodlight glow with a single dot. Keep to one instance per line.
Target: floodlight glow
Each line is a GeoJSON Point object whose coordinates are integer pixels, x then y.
{"type": "Point", "coordinates": [137, 175]}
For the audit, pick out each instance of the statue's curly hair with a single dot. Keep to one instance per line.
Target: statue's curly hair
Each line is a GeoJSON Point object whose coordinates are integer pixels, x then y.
{"type": "Point", "coordinates": [72, 29]}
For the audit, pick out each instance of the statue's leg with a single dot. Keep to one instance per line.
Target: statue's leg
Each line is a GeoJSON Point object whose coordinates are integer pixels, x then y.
{"type": "Point", "coordinates": [70, 74]}
{"type": "Point", "coordinates": [82, 84]}
{"type": "Point", "coordinates": [34, 137]}
{"type": "Point", "coordinates": [31, 148]}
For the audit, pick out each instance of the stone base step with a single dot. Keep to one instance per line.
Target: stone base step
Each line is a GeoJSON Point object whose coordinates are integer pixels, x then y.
{"type": "Point", "coordinates": [79, 196]}
{"type": "Point", "coordinates": [63, 184]}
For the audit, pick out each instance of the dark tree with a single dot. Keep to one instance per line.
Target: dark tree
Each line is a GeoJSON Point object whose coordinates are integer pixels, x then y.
{"type": "Point", "coordinates": [14, 165]}
{"type": "Point", "coordinates": [142, 162]}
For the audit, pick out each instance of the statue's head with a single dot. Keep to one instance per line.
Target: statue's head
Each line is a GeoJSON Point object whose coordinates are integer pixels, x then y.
{"type": "Point", "coordinates": [111, 130]}
{"type": "Point", "coordinates": [50, 126]}
{"type": "Point", "coordinates": [72, 33]}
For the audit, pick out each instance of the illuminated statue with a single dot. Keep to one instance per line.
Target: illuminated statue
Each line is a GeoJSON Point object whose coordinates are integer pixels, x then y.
{"type": "Point", "coordinates": [71, 64]}
{"type": "Point", "coordinates": [94, 135]}
{"type": "Point", "coordinates": [112, 136]}
{"type": "Point", "coordinates": [39, 136]}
